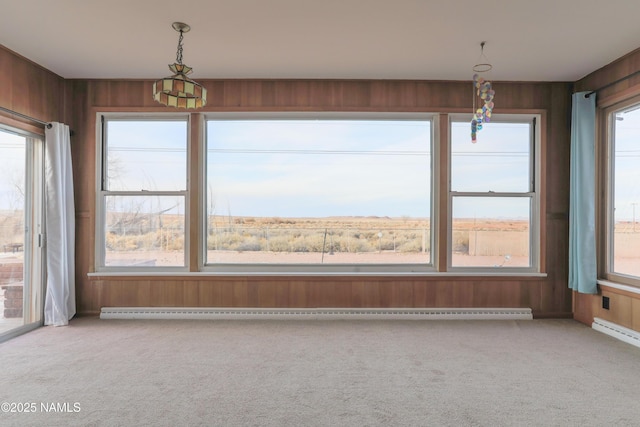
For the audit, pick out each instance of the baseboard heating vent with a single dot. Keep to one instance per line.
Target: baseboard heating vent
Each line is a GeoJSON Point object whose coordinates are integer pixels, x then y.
{"type": "Point", "coordinates": [316, 313]}
{"type": "Point", "coordinates": [620, 332]}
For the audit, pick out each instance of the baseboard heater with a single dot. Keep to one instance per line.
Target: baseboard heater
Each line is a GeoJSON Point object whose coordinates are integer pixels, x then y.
{"type": "Point", "coordinates": [620, 332]}
{"type": "Point", "coordinates": [316, 313]}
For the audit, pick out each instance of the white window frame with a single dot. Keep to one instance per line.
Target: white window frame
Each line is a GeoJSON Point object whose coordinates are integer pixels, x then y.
{"type": "Point", "coordinates": [102, 194]}
{"type": "Point", "coordinates": [533, 194]}
{"type": "Point", "coordinates": [325, 269]}
{"type": "Point", "coordinates": [607, 213]}
{"type": "Point", "coordinates": [34, 268]}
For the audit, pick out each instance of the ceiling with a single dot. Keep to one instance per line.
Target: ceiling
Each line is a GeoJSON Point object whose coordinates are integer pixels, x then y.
{"type": "Point", "coordinates": [543, 40]}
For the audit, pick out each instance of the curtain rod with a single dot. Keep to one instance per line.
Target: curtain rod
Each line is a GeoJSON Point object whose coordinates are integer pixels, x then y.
{"type": "Point", "coordinates": [586, 95]}
{"type": "Point", "coordinates": [24, 116]}
{"type": "Point", "coordinates": [15, 113]}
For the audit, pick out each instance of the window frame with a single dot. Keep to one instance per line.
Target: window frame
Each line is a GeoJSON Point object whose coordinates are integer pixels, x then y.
{"type": "Point", "coordinates": [102, 118]}
{"type": "Point", "coordinates": [606, 166]}
{"type": "Point", "coordinates": [195, 197]}
{"type": "Point", "coordinates": [281, 268]}
{"type": "Point", "coordinates": [534, 194]}
{"type": "Point", "coordinates": [35, 232]}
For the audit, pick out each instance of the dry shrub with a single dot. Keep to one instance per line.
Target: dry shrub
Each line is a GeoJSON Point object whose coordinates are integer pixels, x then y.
{"type": "Point", "coordinates": [360, 245]}
{"type": "Point", "coordinates": [279, 244]}
{"type": "Point", "coordinates": [410, 246]}
{"type": "Point", "coordinates": [249, 245]}
{"type": "Point", "coordinates": [460, 240]}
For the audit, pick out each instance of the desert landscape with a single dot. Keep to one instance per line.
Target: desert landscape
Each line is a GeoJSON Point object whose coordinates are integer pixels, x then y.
{"type": "Point", "coordinates": [329, 240]}
{"type": "Point", "coordinates": [151, 239]}
{"type": "Point", "coordinates": [340, 240]}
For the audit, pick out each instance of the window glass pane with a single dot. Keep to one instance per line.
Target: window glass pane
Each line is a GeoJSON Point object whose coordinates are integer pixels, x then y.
{"type": "Point", "coordinates": [21, 198]}
{"type": "Point", "coordinates": [490, 232]}
{"type": "Point", "coordinates": [148, 155]}
{"type": "Point", "coordinates": [12, 191]}
{"type": "Point", "coordinates": [143, 231]}
{"type": "Point", "coordinates": [499, 161]}
{"type": "Point", "coordinates": [626, 175]}
{"type": "Point", "coordinates": [12, 229]}
{"type": "Point", "coordinates": [318, 191]}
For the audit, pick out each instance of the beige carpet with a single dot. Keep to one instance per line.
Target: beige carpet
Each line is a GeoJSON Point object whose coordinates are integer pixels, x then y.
{"type": "Point", "coordinates": [320, 373]}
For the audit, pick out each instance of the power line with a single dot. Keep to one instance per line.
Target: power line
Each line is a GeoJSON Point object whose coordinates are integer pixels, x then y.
{"type": "Point", "coordinates": [349, 152]}
{"type": "Point", "coordinates": [149, 149]}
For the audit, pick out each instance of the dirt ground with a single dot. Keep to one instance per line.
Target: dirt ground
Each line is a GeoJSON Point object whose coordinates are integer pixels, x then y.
{"type": "Point", "coordinates": [384, 257]}
{"type": "Point", "coordinates": [629, 266]}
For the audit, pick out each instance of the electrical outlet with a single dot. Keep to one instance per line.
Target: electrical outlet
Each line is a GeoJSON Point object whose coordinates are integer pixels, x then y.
{"type": "Point", "coordinates": [605, 303]}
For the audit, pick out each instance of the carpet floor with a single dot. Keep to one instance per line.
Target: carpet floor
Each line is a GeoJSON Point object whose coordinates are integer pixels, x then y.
{"type": "Point", "coordinates": [319, 373]}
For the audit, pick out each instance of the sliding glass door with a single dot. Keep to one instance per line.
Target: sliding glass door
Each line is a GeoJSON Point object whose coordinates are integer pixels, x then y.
{"type": "Point", "coordinates": [21, 231]}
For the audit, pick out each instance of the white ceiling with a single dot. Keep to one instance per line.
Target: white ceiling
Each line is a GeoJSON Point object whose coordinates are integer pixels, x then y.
{"type": "Point", "coordinates": [541, 40]}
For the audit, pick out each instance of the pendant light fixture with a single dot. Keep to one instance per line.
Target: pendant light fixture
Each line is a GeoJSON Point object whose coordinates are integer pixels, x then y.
{"type": "Point", "coordinates": [179, 90]}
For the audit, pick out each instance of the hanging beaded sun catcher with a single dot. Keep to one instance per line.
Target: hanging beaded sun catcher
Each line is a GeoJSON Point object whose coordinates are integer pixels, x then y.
{"type": "Point", "coordinates": [483, 94]}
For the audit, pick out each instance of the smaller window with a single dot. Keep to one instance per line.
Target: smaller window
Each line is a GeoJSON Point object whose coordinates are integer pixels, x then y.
{"type": "Point", "coordinates": [623, 230]}
{"type": "Point", "coordinates": [143, 195]}
{"type": "Point", "coordinates": [493, 199]}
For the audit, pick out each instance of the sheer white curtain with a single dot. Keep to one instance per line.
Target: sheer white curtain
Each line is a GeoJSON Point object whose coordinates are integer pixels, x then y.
{"type": "Point", "coordinates": [60, 300]}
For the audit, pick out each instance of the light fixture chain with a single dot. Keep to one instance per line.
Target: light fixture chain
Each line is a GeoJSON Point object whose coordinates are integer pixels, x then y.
{"type": "Point", "coordinates": [179, 53]}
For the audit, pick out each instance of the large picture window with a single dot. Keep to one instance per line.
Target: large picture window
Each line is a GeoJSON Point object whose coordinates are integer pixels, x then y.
{"type": "Point", "coordinates": [623, 230]}
{"type": "Point", "coordinates": [493, 195]}
{"type": "Point", "coordinates": [319, 191]}
{"type": "Point", "coordinates": [143, 192]}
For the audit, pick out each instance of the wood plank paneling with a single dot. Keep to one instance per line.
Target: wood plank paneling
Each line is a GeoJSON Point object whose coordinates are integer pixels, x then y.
{"type": "Point", "coordinates": [635, 314]}
{"type": "Point", "coordinates": [30, 89]}
{"type": "Point", "coordinates": [191, 293]}
{"type": "Point", "coordinates": [195, 175]}
{"type": "Point", "coordinates": [84, 262]}
{"type": "Point", "coordinates": [208, 294]}
{"type": "Point", "coordinates": [619, 309]}
{"type": "Point", "coordinates": [7, 60]}
{"type": "Point", "coordinates": [316, 292]}
{"type": "Point", "coordinates": [583, 308]}
{"type": "Point", "coordinates": [618, 69]}
{"type": "Point", "coordinates": [624, 307]}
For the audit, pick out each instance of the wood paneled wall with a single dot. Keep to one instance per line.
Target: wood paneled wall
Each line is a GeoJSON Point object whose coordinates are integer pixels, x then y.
{"type": "Point", "coordinates": [34, 91]}
{"type": "Point", "coordinates": [548, 297]}
{"type": "Point", "coordinates": [619, 69]}
{"type": "Point", "coordinates": [29, 89]}
{"type": "Point", "coordinates": [624, 306]}
{"type": "Point", "coordinates": [286, 292]}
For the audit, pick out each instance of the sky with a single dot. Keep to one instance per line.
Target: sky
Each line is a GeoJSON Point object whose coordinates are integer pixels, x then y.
{"type": "Point", "coordinates": [627, 165]}
{"type": "Point", "coordinates": [498, 162]}
{"type": "Point", "coordinates": [316, 168]}
{"type": "Point", "coordinates": [12, 170]}
{"type": "Point", "coordinates": [319, 168]}
{"type": "Point", "coordinates": [147, 157]}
